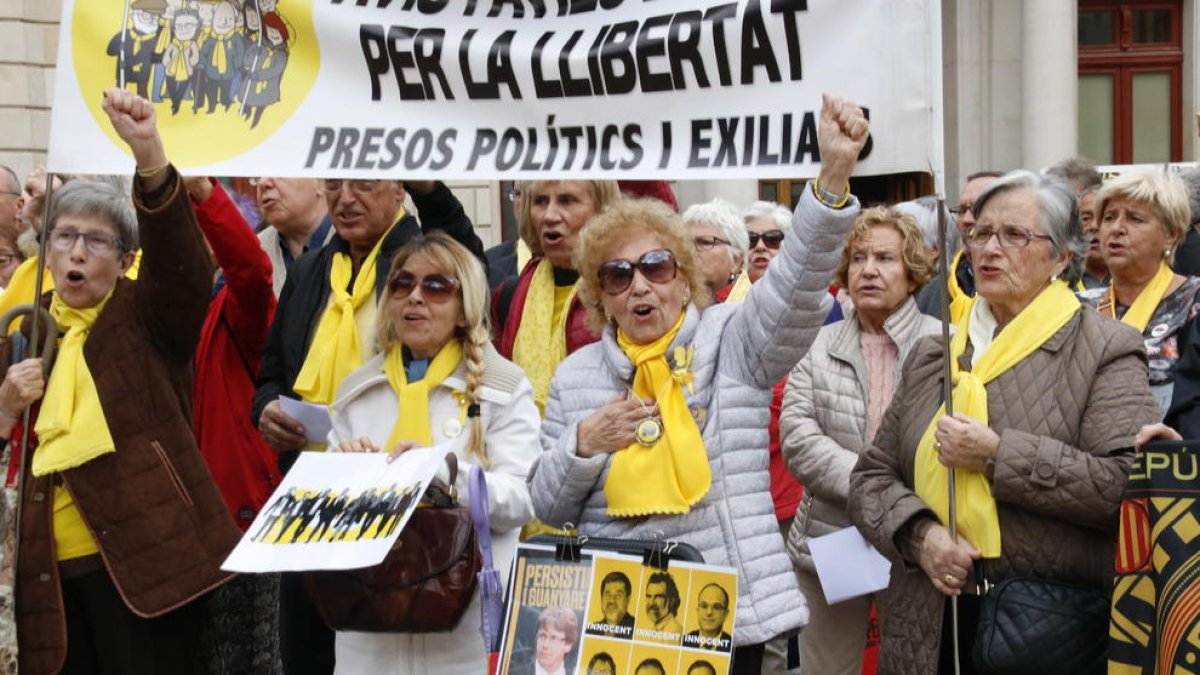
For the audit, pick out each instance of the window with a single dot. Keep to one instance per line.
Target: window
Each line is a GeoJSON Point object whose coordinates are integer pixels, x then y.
{"type": "Point", "coordinates": [1130, 81]}
{"type": "Point", "coordinates": [870, 190]}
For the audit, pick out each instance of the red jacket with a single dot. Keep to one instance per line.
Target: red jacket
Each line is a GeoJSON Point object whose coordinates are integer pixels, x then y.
{"type": "Point", "coordinates": [245, 468]}
{"type": "Point", "coordinates": [578, 333]}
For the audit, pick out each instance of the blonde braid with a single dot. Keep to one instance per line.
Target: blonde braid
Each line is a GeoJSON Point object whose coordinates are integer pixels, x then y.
{"type": "Point", "coordinates": [473, 344]}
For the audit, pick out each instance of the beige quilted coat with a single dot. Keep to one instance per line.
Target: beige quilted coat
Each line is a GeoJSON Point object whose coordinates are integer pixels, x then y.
{"type": "Point", "coordinates": [823, 423]}
{"type": "Point", "coordinates": [1066, 416]}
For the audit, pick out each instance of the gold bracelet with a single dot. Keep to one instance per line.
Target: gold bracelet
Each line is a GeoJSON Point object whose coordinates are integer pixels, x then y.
{"type": "Point", "coordinates": [820, 193]}
{"type": "Point", "coordinates": [152, 171]}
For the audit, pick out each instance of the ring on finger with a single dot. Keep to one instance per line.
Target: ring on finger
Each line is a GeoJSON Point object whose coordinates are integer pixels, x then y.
{"type": "Point", "coordinates": [949, 579]}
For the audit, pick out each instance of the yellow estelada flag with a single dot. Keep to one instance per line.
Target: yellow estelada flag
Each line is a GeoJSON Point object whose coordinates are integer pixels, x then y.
{"type": "Point", "coordinates": [975, 508]}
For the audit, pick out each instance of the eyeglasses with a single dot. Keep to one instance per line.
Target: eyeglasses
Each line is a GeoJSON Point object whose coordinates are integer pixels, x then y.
{"type": "Point", "coordinates": [962, 210]}
{"type": "Point", "coordinates": [772, 239]}
{"type": "Point", "coordinates": [657, 266]}
{"type": "Point", "coordinates": [333, 186]}
{"type": "Point", "coordinates": [513, 195]}
{"type": "Point", "coordinates": [1010, 236]}
{"type": "Point", "coordinates": [96, 243]}
{"type": "Point", "coordinates": [434, 287]}
{"type": "Point", "coordinates": [708, 243]}
{"type": "Point", "coordinates": [7, 259]}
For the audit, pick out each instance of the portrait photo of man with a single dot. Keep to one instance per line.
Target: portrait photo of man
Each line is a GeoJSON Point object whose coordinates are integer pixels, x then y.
{"type": "Point", "coordinates": [712, 608]}
{"type": "Point", "coordinates": [557, 635]}
{"type": "Point", "coordinates": [662, 604]}
{"type": "Point", "coordinates": [602, 664]}
{"type": "Point", "coordinates": [614, 620]}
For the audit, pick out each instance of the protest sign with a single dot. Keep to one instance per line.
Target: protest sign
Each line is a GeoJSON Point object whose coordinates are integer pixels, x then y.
{"type": "Point", "coordinates": [611, 613]}
{"type": "Point", "coordinates": [336, 511]}
{"type": "Point", "coordinates": [500, 88]}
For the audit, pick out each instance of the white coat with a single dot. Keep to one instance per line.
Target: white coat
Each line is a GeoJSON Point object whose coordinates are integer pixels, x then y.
{"type": "Point", "coordinates": [367, 405]}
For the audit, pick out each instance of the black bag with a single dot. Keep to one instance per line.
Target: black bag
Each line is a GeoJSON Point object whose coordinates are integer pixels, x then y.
{"type": "Point", "coordinates": [1034, 626]}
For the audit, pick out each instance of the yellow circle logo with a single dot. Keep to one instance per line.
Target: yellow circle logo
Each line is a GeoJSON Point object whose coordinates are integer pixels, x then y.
{"type": "Point", "coordinates": [223, 74]}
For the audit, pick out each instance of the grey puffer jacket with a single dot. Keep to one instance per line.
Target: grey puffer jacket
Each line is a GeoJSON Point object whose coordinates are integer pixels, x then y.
{"type": "Point", "coordinates": [823, 423]}
{"type": "Point", "coordinates": [1066, 416]}
{"type": "Point", "coordinates": [741, 351]}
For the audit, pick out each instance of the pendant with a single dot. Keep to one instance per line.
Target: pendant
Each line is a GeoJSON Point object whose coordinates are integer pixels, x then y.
{"type": "Point", "coordinates": [648, 432]}
{"type": "Point", "coordinates": [451, 428]}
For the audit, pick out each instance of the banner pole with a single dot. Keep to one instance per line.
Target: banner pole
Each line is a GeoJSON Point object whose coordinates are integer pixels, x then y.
{"type": "Point", "coordinates": [948, 397]}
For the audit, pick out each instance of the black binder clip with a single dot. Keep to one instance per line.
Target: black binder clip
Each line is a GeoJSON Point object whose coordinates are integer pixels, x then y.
{"type": "Point", "coordinates": [658, 555]}
{"type": "Point", "coordinates": [569, 548]}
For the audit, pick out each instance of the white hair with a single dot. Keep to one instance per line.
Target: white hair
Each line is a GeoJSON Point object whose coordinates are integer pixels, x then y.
{"type": "Point", "coordinates": [764, 209]}
{"type": "Point", "coordinates": [924, 211]}
{"type": "Point", "coordinates": [722, 215]}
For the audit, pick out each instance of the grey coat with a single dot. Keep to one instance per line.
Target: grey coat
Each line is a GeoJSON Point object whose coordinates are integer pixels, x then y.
{"type": "Point", "coordinates": [741, 351]}
{"type": "Point", "coordinates": [1066, 416]}
{"type": "Point", "coordinates": [823, 424]}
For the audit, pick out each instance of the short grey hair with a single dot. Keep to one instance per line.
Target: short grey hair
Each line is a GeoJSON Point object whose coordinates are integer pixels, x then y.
{"type": "Point", "coordinates": [14, 182]}
{"type": "Point", "coordinates": [1191, 178]}
{"type": "Point", "coordinates": [1060, 214]}
{"type": "Point", "coordinates": [1080, 172]}
{"type": "Point", "coordinates": [722, 215]}
{"type": "Point", "coordinates": [771, 210]}
{"type": "Point", "coordinates": [925, 211]}
{"type": "Point", "coordinates": [100, 200]}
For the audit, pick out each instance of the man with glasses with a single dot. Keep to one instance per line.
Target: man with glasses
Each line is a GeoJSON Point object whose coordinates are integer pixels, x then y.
{"type": "Point", "coordinates": [323, 329]}
{"type": "Point", "coordinates": [508, 258]}
{"type": "Point", "coordinates": [297, 221]}
{"type": "Point", "coordinates": [720, 239]}
{"type": "Point", "coordinates": [962, 277]}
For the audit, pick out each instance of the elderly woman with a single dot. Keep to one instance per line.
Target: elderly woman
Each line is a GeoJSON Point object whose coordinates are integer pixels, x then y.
{"type": "Point", "coordinates": [122, 527]}
{"type": "Point", "coordinates": [721, 242]}
{"type": "Point", "coordinates": [537, 317]}
{"type": "Point", "coordinates": [434, 345]}
{"type": "Point", "coordinates": [834, 404]}
{"type": "Point", "coordinates": [1048, 396]}
{"type": "Point", "coordinates": [660, 429]}
{"type": "Point", "coordinates": [1143, 216]}
{"type": "Point", "coordinates": [766, 224]}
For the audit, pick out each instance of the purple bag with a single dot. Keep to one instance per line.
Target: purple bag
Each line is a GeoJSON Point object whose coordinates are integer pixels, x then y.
{"type": "Point", "coordinates": [491, 590]}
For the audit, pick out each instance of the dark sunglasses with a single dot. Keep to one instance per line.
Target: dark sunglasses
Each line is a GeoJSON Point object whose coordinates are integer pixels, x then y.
{"type": "Point", "coordinates": [434, 287]}
{"type": "Point", "coordinates": [657, 266]}
{"type": "Point", "coordinates": [771, 239]}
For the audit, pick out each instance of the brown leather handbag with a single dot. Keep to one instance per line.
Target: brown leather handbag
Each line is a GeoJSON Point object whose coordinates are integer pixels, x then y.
{"type": "Point", "coordinates": [425, 583]}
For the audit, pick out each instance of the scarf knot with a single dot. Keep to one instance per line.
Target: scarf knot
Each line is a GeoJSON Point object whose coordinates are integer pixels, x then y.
{"type": "Point", "coordinates": [412, 418]}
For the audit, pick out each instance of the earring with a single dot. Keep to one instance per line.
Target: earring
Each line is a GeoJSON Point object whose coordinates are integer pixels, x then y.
{"type": "Point", "coordinates": [1053, 278]}
{"type": "Point", "coordinates": [1167, 253]}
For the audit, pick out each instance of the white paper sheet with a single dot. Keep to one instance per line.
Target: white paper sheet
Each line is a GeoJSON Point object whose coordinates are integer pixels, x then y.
{"type": "Point", "coordinates": [848, 566]}
{"type": "Point", "coordinates": [314, 417]}
{"type": "Point", "coordinates": [336, 511]}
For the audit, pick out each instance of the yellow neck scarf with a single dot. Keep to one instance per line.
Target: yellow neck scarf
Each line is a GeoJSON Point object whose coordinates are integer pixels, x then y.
{"type": "Point", "coordinates": [412, 419]}
{"type": "Point", "coordinates": [164, 36]}
{"type": "Point", "coordinates": [334, 351]}
{"type": "Point", "coordinates": [978, 520]}
{"type": "Point", "coordinates": [960, 302]}
{"type": "Point", "coordinates": [71, 427]}
{"type": "Point", "coordinates": [1142, 309]}
{"type": "Point", "coordinates": [179, 70]}
{"type": "Point", "coordinates": [219, 58]}
{"type": "Point", "coordinates": [673, 474]}
{"type": "Point", "coordinates": [541, 342]}
{"type": "Point", "coordinates": [741, 288]}
{"type": "Point", "coordinates": [261, 85]}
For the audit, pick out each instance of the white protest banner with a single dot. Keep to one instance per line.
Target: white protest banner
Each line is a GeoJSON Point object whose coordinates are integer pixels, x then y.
{"type": "Point", "coordinates": [336, 511]}
{"type": "Point", "coordinates": [683, 89]}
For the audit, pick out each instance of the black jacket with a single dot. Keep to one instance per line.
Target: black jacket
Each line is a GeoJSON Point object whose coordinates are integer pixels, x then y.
{"type": "Point", "coordinates": [306, 291]}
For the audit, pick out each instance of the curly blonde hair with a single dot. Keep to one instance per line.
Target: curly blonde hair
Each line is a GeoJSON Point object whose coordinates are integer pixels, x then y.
{"type": "Point", "coordinates": [454, 259]}
{"type": "Point", "coordinates": [608, 230]}
{"type": "Point", "coordinates": [917, 261]}
{"type": "Point", "coordinates": [604, 193]}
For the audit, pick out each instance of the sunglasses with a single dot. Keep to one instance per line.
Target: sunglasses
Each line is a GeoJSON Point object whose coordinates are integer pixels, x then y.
{"type": "Point", "coordinates": [434, 287]}
{"type": "Point", "coordinates": [658, 267]}
{"type": "Point", "coordinates": [771, 239]}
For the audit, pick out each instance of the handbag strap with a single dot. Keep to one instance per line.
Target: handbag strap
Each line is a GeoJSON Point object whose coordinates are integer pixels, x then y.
{"type": "Point", "coordinates": [479, 513]}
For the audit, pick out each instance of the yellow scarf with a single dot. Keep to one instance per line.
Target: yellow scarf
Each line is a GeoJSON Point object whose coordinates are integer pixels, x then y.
{"type": "Point", "coordinates": [20, 287]}
{"type": "Point", "coordinates": [960, 302]}
{"type": "Point", "coordinates": [741, 288]}
{"type": "Point", "coordinates": [978, 520]}
{"type": "Point", "coordinates": [334, 351]}
{"type": "Point", "coordinates": [164, 36]}
{"type": "Point", "coordinates": [673, 474]}
{"type": "Point", "coordinates": [71, 428]}
{"type": "Point", "coordinates": [219, 58]}
{"type": "Point", "coordinates": [179, 70]}
{"type": "Point", "coordinates": [1142, 310]}
{"type": "Point", "coordinates": [412, 419]}
{"type": "Point", "coordinates": [261, 85]}
{"type": "Point", "coordinates": [541, 342]}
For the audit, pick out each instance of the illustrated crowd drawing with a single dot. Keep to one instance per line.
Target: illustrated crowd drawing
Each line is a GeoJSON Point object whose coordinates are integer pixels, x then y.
{"type": "Point", "coordinates": [305, 516]}
{"type": "Point", "coordinates": [204, 54]}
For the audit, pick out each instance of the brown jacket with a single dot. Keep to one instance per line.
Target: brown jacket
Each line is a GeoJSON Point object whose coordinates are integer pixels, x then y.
{"type": "Point", "coordinates": [1066, 416]}
{"type": "Point", "coordinates": [160, 522]}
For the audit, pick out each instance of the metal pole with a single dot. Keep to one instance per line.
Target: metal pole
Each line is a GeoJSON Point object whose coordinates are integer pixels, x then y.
{"type": "Point", "coordinates": [948, 397]}
{"type": "Point", "coordinates": [120, 65]}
